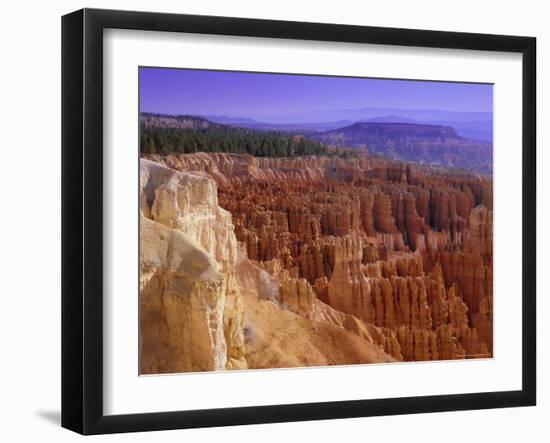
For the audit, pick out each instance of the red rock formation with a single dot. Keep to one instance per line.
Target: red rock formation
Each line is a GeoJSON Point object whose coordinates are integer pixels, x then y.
{"type": "Point", "coordinates": [401, 254]}
{"type": "Point", "coordinates": [382, 214]}
{"type": "Point", "coordinates": [480, 233]}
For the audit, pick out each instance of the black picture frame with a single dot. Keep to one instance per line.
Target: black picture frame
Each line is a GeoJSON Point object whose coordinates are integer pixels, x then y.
{"type": "Point", "coordinates": [82, 219]}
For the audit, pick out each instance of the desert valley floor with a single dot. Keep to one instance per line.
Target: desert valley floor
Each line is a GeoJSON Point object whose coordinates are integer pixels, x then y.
{"type": "Point", "coordinates": [253, 262]}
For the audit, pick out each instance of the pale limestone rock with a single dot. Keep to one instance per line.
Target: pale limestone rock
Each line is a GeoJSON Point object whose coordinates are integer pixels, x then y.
{"type": "Point", "coordinates": [191, 308]}
{"type": "Point", "coordinates": [181, 304]}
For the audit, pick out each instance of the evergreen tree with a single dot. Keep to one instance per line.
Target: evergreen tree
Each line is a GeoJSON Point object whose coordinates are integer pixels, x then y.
{"type": "Point", "coordinates": [229, 139]}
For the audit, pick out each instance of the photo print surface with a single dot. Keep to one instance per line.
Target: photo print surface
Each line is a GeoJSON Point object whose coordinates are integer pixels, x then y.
{"type": "Point", "coordinates": [298, 220]}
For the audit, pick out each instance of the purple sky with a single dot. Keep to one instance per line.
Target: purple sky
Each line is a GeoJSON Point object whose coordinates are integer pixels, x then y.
{"type": "Point", "coordinates": [271, 97]}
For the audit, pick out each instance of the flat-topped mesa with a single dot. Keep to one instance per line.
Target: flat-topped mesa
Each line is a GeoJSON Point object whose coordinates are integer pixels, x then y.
{"type": "Point", "coordinates": [420, 143]}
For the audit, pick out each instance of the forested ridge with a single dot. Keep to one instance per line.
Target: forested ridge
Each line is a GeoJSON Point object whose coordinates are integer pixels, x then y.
{"type": "Point", "coordinates": [187, 134]}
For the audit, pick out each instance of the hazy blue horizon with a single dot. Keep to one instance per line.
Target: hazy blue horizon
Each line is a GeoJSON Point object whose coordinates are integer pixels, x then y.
{"type": "Point", "coordinates": [287, 98]}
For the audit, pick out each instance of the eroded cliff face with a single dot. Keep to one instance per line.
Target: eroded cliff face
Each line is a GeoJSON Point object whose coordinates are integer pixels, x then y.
{"type": "Point", "coordinates": [316, 261]}
{"type": "Point", "coordinates": [191, 315]}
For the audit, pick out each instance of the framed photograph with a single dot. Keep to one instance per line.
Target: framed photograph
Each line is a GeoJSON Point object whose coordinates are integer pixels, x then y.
{"type": "Point", "coordinates": [269, 221]}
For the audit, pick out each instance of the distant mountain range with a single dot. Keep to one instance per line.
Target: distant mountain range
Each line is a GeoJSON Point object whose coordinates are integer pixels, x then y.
{"type": "Point", "coordinates": [231, 120]}
{"type": "Point", "coordinates": [390, 119]}
{"type": "Point", "coordinates": [419, 115]}
{"type": "Point", "coordinates": [285, 127]}
{"type": "Point", "coordinates": [475, 125]}
{"type": "Point", "coordinates": [406, 140]}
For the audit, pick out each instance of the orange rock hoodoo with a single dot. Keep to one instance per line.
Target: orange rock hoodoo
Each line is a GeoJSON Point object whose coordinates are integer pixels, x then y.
{"type": "Point", "coordinates": [399, 253]}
